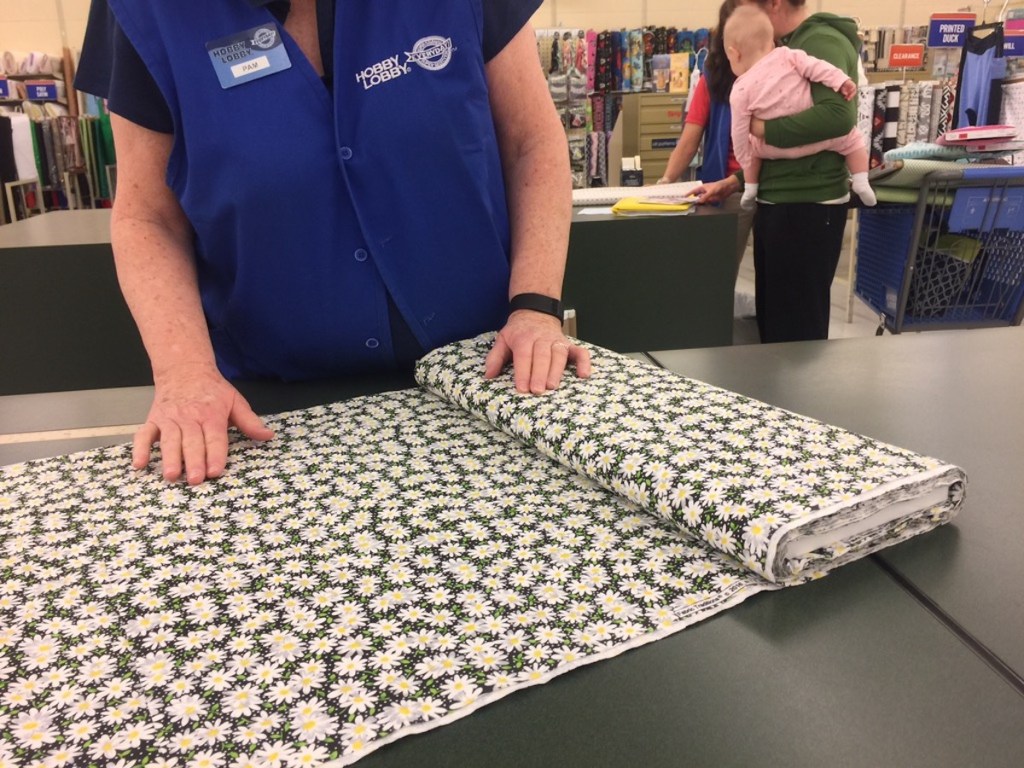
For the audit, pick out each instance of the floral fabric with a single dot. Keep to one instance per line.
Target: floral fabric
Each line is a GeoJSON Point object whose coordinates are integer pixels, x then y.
{"type": "Point", "coordinates": [748, 479]}
{"type": "Point", "coordinates": [390, 563]}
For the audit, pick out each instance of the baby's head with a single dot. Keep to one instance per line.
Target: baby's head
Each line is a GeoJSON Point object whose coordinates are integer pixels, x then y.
{"type": "Point", "coordinates": [748, 37]}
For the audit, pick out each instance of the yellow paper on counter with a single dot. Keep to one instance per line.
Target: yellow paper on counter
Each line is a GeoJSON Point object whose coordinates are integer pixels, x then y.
{"type": "Point", "coordinates": [632, 206]}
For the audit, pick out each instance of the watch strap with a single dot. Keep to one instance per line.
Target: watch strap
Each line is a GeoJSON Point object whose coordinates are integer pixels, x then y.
{"type": "Point", "coordinates": [537, 302]}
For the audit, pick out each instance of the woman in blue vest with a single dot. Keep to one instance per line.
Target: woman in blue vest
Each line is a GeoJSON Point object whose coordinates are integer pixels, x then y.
{"type": "Point", "coordinates": [313, 189]}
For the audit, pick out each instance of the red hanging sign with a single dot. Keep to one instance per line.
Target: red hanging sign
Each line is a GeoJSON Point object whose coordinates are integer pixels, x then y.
{"type": "Point", "coordinates": [906, 56]}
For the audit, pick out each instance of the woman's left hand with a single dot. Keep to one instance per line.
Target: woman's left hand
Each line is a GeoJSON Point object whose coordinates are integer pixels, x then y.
{"type": "Point", "coordinates": [539, 352]}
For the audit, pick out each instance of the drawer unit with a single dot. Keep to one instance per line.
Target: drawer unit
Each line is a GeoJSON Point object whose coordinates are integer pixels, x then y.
{"type": "Point", "coordinates": [652, 123]}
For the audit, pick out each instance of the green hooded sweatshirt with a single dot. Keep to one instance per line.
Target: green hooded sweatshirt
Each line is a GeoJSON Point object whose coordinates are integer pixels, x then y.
{"type": "Point", "coordinates": [822, 176]}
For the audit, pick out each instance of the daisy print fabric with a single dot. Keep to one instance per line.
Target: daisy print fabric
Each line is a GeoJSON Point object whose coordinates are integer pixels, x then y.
{"type": "Point", "coordinates": [787, 496]}
{"type": "Point", "coordinates": [388, 564]}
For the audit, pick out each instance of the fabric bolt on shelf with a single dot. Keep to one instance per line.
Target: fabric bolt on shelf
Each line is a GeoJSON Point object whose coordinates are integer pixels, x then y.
{"type": "Point", "coordinates": [876, 150]}
{"type": "Point", "coordinates": [904, 114]}
{"type": "Point", "coordinates": [924, 112]}
{"type": "Point", "coordinates": [892, 116]}
{"type": "Point", "coordinates": [865, 112]}
{"type": "Point", "coordinates": [24, 156]}
{"type": "Point", "coordinates": [391, 563]}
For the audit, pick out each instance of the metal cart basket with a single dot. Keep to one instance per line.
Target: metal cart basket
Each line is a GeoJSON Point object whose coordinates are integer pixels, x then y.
{"type": "Point", "coordinates": [953, 260]}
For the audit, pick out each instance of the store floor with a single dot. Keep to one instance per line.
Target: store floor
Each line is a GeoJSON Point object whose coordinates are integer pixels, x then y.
{"type": "Point", "coordinates": [863, 320]}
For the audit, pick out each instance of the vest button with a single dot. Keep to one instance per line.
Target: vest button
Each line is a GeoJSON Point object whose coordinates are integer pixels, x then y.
{"type": "Point", "coordinates": [372, 343]}
{"type": "Point", "coordinates": [360, 254]}
{"type": "Point", "coordinates": [346, 153]}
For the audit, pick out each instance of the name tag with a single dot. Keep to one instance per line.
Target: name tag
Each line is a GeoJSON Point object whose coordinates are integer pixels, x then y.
{"type": "Point", "coordinates": [248, 55]}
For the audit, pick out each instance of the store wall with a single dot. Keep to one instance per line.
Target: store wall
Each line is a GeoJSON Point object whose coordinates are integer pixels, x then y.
{"type": "Point", "coordinates": [607, 14]}
{"type": "Point", "coordinates": [32, 25]}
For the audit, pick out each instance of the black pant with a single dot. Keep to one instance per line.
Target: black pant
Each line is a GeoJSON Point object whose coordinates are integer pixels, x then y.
{"type": "Point", "coordinates": [796, 250]}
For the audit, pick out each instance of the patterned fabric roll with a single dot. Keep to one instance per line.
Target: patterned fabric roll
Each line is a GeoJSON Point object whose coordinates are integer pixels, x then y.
{"type": "Point", "coordinates": [892, 117]}
{"type": "Point", "coordinates": [69, 148]}
{"type": "Point", "coordinates": [50, 170]}
{"type": "Point", "coordinates": [544, 51]}
{"type": "Point", "coordinates": [913, 106]}
{"type": "Point", "coordinates": [636, 59]}
{"type": "Point", "coordinates": [933, 122]}
{"type": "Point", "coordinates": [904, 114]}
{"type": "Point", "coordinates": [603, 81]}
{"type": "Point", "coordinates": [591, 39]}
{"type": "Point", "coordinates": [924, 111]}
{"type": "Point", "coordinates": [878, 128]}
{"type": "Point", "coordinates": [616, 60]}
{"type": "Point", "coordinates": [865, 111]}
{"type": "Point", "coordinates": [946, 108]}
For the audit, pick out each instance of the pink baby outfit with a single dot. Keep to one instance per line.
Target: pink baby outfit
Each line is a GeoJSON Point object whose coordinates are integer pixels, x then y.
{"type": "Point", "coordinates": [779, 85]}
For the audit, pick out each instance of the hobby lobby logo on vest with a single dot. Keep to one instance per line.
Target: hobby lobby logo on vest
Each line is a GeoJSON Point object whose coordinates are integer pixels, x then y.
{"type": "Point", "coordinates": [431, 53]}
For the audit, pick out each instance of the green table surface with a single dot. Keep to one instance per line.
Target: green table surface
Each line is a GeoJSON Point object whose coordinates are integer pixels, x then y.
{"type": "Point", "coordinates": [953, 394]}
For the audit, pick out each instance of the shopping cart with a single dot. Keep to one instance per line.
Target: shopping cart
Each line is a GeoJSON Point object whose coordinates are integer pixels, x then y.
{"type": "Point", "coordinates": [953, 260]}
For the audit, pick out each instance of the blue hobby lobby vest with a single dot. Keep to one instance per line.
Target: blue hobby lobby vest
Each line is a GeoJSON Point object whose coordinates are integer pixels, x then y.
{"type": "Point", "coordinates": [717, 142]}
{"type": "Point", "coordinates": [308, 212]}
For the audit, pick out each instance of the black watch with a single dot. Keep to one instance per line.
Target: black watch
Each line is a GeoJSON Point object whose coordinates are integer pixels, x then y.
{"type": "Point", "coordinates": [537, 302]}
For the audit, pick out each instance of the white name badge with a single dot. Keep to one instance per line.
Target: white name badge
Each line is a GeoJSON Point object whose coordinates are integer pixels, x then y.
{"type": "Point", "coordinates": [248, 55]}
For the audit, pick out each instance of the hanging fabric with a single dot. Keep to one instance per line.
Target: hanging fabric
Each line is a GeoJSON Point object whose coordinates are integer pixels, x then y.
{"type": "Point", "coordinates": [979, 85]}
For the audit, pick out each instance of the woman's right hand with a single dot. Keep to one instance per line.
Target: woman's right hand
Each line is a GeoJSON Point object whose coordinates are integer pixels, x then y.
{"type": "Point", "coordinates": [192, 409]}
{"type": "Point", "coordinates": [716, 191]}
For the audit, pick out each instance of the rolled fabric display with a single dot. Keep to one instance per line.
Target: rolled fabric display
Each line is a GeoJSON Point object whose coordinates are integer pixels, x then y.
{"type": "Point", "coordinates": [892, 117]}
{"type": "Point", "coordinates": [21, 141]}
{"type": "Point", "coordinates": [34, 111]}
{"type": "Point", "coordinates": [12, 62]}
{"type": "Point", "coordinates": [53, 109]}
{"type": "Point", "coordinates": [54, 65]}
{"type": "Point", "coordinates": [34, 62]}
{"type": "Point", "coordinates": [865, 111]}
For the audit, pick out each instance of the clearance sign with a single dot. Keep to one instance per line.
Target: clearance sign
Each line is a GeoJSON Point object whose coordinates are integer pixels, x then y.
{"type": "Point", "coordinates": [906, 56]}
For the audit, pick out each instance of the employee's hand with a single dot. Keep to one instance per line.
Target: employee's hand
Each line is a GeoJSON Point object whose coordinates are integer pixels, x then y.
{"type": "Point", "coordinates": [192, 409]}
{"type": "Point", "coordinates": [538, 350]}
{"type": "Point", "coordinates": [716, 191]}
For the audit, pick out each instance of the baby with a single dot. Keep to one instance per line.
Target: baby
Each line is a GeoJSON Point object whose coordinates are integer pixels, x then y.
{"type": "Point", "coordinates": [775, 82]}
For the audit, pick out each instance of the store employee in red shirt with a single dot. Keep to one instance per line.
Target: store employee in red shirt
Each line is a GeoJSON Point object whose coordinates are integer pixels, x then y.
{"type": "Point", "coordinates": [708, 118]}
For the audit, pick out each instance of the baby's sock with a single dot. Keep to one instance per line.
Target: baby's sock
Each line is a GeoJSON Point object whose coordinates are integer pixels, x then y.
{"type": "Point", "coordinates": [863, 188]}
{"type": "Point", "coordinates": [749, 199]}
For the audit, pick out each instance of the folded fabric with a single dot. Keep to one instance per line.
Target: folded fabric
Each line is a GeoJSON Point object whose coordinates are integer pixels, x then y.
{"type": "Point", "coordinates": [391, 563]}
{"type": "Point", "coordinates": [12, 62]}
{"type": "Point", "coordinates": [925, 150]}
{"type": "Point", "coordinates": [909, 173]}
{"type": "Point", "coordinates": [35, 62]}
{"type": "Point", "coordinates": [633, 206]}
{"type": "Point", "coordinates": [968, 134]}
